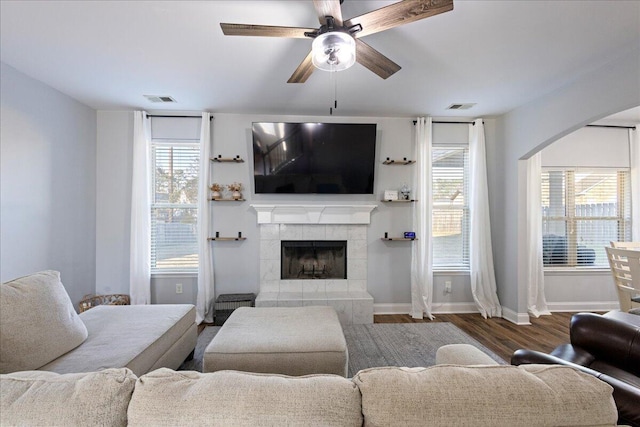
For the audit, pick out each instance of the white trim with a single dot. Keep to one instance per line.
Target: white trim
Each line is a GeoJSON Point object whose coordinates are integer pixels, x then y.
{"type": "Point", "coordinates": [175, 274]}
{"type": "Point", "coordinates": [454, 307]}
{"type": "Point", "coordinates": [392, 308]}
{"type": "Point", "coordinates": [513, 317]}
{"type": "Point", "coordinates": [559, 271]}
{"type": "Point", "coordinates": [507, 314]}
{"type": "Point", "coordinates": [441, 308]}
{"type": "Point", "coordinates": [583, 306]}
{"type": "Point", "coordinates": [314, 214]}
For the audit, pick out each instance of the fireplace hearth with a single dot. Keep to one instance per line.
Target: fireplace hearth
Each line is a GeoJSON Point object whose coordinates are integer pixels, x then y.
{"type": "Point", "coordinates": [313, 259]}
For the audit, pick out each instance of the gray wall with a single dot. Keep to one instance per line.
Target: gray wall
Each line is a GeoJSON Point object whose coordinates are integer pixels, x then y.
{"type": "Point", "coordinates": [527, 129]}
{"type": "Point", "coordinates": [236, 263]}
{"type": "Point", "coordinates": [113, 185]}
{"type": "Point", "coordinates": [47, 183]}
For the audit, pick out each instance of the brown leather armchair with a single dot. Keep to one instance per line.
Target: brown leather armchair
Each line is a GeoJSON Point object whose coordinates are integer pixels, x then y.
{"type": "Point", "coordinates": [606, 346]}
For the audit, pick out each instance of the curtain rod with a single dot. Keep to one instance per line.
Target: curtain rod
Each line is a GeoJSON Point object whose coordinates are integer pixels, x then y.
{"type": "Point", "coordinates": [452, 123]}
{"type": "Point", "coordinates": [612, 126]}
{"type": "Point", "coordinates": [158, 115]}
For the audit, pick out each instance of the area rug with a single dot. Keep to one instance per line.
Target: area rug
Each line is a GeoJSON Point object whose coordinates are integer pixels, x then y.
{"type": "Point", "coordinates": [380, 344]}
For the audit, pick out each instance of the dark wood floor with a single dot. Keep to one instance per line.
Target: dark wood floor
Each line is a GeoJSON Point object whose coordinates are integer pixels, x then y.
{"type": "Point", "coordinates": [500, 335]}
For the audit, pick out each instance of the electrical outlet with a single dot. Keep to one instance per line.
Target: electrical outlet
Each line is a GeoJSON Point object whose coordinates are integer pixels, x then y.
{"type": "Point", "coordinates": [447, 287]}
{"type": "Point", "coordinates": [178, 288]}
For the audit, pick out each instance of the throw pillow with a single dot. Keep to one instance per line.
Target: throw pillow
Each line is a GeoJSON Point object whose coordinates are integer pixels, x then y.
{"type": "Point", "coordinates": [491, 396]}
{"type": "Point", "coordinates": [37, 322]}
{"type": "Point", "coordinates": [234, 398]}
{"type": "Point", "coordinates": [39, 398]}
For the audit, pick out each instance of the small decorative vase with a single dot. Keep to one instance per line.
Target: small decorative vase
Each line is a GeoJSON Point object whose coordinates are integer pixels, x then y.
{"type": "Point", "coordinates": [216, 195]}
{"type": "Point", "coordinates": [236, 195]}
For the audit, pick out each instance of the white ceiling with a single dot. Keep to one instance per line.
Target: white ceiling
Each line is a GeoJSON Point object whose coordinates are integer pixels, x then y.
{"type": "Point", "coordinates": [498, 54]}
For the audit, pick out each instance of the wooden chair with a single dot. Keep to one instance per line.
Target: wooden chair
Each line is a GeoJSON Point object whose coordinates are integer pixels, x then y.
{"type": "Point", "coordinates": [625, 268]}
{"type": "Point", "coordinates": [626, 245]}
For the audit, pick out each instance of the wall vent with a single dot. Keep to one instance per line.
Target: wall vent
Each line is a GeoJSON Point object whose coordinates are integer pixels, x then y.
{"type": "Point", "coordinates": [159, 98]}
{"type": "Point", "coordinates": [460, 106]}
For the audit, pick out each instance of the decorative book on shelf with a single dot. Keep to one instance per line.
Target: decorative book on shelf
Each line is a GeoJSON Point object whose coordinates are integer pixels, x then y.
{"type": "Point", "coordinates": [402, 162]}
{"type": "Point", "coordinates": [220, 159]}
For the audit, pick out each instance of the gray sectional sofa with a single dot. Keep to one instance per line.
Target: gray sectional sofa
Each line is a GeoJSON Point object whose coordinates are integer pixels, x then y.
{"type": "Point", "coordinates": [443, 395]}
{"type": "Point", "coordinates": [105, 362]}
{"type": "Point", "coordinates": [40, 330]}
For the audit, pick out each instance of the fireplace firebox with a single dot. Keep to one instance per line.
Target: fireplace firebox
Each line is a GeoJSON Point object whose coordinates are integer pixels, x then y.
{"type": "Point", "coordinates": [313, 259]}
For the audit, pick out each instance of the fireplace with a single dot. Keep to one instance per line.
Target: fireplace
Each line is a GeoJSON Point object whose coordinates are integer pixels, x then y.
{"type": "Point", "coordinates": [313, 259]}
{"type": "Point", "coordinates": [345, 224]}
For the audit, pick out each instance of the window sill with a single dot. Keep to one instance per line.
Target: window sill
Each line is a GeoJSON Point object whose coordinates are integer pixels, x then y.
{"type": "Point", "coordinates": [450, 272]}
{"type": "Point", "coordinates": [168, 275]}
{"type": "Point", "coordinates": [575, 271]}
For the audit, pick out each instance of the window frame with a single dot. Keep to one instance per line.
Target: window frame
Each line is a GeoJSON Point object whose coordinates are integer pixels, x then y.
{"type": "Point", "coordinates": [571, 218]}
{"type": "Point", "coordinates": [465, 266]}
{"type": "Point", "coordinates": [154, 205]}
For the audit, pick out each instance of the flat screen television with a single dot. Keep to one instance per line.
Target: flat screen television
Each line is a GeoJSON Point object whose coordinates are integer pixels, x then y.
{"type": "Point", "coordinates": [314, 158]}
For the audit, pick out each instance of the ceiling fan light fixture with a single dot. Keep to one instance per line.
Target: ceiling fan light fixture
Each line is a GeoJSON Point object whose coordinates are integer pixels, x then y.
{"type": "Point", "coordinates": [333, 51]}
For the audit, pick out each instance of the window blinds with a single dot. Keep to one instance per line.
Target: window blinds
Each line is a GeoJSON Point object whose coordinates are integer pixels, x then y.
{"type": "Point", "coordinates": [174, 246]}
{"type": "Point", "coordinates": [450, 226]}
{"type": "Point", "coordinates": [583, 210]}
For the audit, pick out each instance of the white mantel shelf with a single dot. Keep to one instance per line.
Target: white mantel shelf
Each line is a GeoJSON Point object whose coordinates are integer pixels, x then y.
{"type": "Point", "coordinates": [314, 214]}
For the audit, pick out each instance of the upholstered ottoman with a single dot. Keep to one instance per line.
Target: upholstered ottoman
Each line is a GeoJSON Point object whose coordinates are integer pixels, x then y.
{"type": "Point", "coordinates": [279, 340]}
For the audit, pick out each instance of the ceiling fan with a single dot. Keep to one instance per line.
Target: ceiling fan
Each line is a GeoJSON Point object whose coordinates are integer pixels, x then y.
{"type": "Point", "coordinates": [336, 44]}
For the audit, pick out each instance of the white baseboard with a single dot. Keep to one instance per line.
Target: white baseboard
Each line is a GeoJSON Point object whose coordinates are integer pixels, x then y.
{"type": "Point", "coordinates": [514, 317]}
{"type": "Point", "coordinates": [574, 307]}
{"type": "Point", "coordinates": [507, 314]}
{"type": "Point", "coordinates": [402, 308]}
{"type": "Point", "coordinates": [441, 308]}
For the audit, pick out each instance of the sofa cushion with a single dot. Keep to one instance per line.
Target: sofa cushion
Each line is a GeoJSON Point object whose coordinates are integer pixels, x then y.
{"type": "Point", "coordinates": [37, 322]}
{"type": "Point", "coordinates": [531, 395]}
{"type": "Point", "coordinates": [40, 398]}
{"type": "Point", "coordinates": [128, 336]}
{"type": "Point", "coordinates": [166, 397]}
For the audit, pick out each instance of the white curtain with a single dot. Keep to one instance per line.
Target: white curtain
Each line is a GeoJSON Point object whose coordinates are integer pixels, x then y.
{"type": "Point", "coordinates": [483, 280]}
{"type": "Point", "coordinates": [140, 240]}
{"type": "Point", "coordinates": [634, 152]}
{"type": "Point", "coordinates": [206, 290]}
{"type": "Point", "coordinates": [421, 252]}
{"type": "Point", "coordinates": [536, 301]}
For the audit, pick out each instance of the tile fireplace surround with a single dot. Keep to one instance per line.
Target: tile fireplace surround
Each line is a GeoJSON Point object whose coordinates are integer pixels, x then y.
{"type": "Point", "coordinates": [316, 222]}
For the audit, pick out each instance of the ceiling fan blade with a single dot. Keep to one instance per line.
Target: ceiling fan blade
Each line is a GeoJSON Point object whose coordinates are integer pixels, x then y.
{"type": "Point", "coordinates": [304, 70]}
{"type": "Point", "coordinates": [396, 14]}
{"type": "Point", "coordinates": [374, 60]}
{"type": "Point", "coordinates": [328, 8]}
{"type": "Point", "coordinates": [264, 30]}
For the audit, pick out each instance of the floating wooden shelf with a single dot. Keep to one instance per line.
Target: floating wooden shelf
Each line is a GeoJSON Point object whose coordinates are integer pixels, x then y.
{"type": "Point", "coordinates": [404, 239]}
{"type": "Point", "coordinates": [402, 162]}
{"type": "Point", "coordinates": [220, 159]}
{"type": "Point", "coordinates": [227, 239]}
{"type": "Point", "coordinates": [227, 200]}
{"type": "Point", "coordinates": [399, 201]}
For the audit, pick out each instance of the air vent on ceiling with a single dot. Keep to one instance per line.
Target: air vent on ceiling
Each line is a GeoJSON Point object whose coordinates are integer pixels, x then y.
{"type": "Point", "coordinates": [460, 106]}
{"type": "Point", "coordinates": [159, 98]}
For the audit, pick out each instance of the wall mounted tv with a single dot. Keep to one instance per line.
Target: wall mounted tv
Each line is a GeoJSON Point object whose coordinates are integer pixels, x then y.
{"type": "Point", "coordinates": [314, 158]}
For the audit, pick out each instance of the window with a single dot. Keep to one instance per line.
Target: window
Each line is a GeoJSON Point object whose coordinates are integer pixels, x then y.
{"type": "Point", "coordinates": [582, 211]}
{"type": "Point", "coordinates": [450, 227]}
{"type": "Point", "coordinates": [174, 206]}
